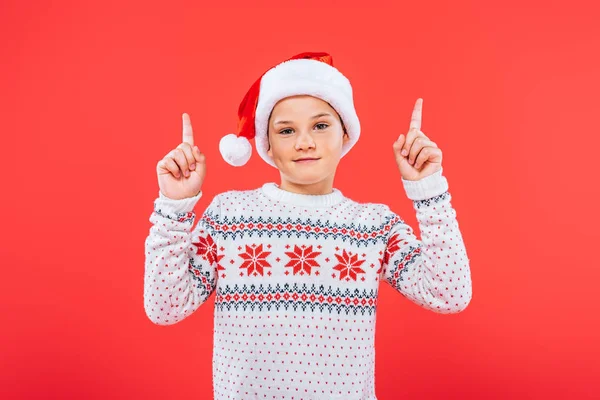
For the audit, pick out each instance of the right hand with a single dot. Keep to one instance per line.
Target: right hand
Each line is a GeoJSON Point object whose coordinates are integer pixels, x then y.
{"type": "Point", "coordinates": [182, 171]}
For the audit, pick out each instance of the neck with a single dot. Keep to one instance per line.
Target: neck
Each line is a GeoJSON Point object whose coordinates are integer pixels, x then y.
{"type": "Point", "coordinates": [318, 188]}
{"type": "Point", "coordinates": [272, 191]}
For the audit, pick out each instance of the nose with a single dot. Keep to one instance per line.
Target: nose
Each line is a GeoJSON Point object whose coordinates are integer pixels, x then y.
{"type": "Point", "coordinates": [304, 141]}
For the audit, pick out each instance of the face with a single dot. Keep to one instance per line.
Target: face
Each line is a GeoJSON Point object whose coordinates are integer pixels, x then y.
{"type": "Point", "coordinates": [305, 127]}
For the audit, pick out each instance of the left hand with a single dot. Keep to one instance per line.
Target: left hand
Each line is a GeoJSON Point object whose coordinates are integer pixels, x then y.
{"type": "Point", "coordinates": [416, 155]}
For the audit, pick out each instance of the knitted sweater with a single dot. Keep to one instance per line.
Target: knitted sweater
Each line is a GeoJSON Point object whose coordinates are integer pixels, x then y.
{"type": "Point", "coordinates": [296, 279]}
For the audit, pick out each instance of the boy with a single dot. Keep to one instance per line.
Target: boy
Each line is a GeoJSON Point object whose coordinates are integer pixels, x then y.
{"type": "Point", "coordinates": [297, 266]}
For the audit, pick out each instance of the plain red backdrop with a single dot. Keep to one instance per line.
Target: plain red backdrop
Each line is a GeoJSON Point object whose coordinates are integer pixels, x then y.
{"type": "Point", "coordinates": [91, 98]}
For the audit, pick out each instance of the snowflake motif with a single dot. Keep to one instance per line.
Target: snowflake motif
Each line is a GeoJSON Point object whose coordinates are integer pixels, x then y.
{"type": "Point", "coordinates": [207, 248]}
{"type": "Point", "coordinates": [254, 260]}
{"type": "Point", "coordinates": [349, 265]}
{"type": "Point", "coordinates": [302, 259]}
{"type": "Point", "coordinates": [392, 247]}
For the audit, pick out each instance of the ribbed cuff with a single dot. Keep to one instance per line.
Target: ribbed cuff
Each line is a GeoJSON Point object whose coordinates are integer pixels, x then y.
{"type": "Point", "coordinates": [172, 206]}
{"type": "Point", "coordinates": [426, 188]}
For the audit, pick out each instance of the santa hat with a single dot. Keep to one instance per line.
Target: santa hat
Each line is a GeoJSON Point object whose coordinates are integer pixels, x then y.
{"type": "Point", "coordinates": [310, 73]}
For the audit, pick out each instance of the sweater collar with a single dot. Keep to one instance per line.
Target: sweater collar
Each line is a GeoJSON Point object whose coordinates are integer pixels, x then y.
{"type": "Point", "coordinates": [274, 192]}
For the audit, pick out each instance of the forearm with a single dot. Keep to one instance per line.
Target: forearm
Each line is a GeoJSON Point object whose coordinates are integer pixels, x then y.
{"type": "Point", "coordinates": [171, 291]}
{"type": "Point", "coordinates": [433, 271]}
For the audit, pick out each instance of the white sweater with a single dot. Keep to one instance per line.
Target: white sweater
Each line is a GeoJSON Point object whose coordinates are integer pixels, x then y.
{"type": "Point", "coordinates": [296, 279]}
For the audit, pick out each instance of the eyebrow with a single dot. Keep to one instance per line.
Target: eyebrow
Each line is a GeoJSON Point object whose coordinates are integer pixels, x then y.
{"type": "Point", "coordinates": [315, 117]}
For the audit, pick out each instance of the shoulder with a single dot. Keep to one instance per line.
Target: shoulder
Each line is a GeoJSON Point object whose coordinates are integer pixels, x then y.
{"type": "Point", "coordinates": [230, 201]}
{"type": "Point", "coordinates": [389, 221]}
{"type": "Point", "coordinates": [234, 196]}
{"type": "Point", "coordinates": [373, 211]}
{"type": "Point", "coordinates": [377, 208]}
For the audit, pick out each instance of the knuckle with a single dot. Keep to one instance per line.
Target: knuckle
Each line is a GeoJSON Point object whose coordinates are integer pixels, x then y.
{"type": "Point", "coordinates": [185, 147]}
{"type": "Point", "coordinates": [180, 156]}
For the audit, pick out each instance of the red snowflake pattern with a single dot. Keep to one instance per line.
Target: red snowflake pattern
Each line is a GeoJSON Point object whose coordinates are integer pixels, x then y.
{"type": "Point", "coordinates": [255, 260]}
{"type": "Point", "coordinates": [349, 265]}
{"type": "Point", "coordinates": [207, 248]}
{"type": "Point", "coordinates": [302, 259]}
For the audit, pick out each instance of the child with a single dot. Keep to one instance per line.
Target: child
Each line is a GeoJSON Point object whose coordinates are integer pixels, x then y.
{"type": "Point", "coordinates": [297, 266]}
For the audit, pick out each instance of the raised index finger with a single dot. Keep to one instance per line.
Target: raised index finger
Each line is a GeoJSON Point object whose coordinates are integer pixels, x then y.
{"type": "Point", "coordinates": [188, 133]}
{"type": "Point", "coordinates": [415, 119]}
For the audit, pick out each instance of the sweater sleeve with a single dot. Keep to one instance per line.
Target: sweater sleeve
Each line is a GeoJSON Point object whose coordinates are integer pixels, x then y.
{"type": "Point", "coordinates": [181, 262]}
{"type": "Point", "coordinates": [432, 272]}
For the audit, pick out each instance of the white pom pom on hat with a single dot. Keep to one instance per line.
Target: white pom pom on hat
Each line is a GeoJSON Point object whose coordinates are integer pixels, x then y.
{"type": "Point", "coordinates": [236, 150]}
{"type": "Point", "coordinates": [309, 73]}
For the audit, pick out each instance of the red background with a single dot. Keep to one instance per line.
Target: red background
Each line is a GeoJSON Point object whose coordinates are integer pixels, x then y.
{"type": "Point", "coordinates": [92, 96]}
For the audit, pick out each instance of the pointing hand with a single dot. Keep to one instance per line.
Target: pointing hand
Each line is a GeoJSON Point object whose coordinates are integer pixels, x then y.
{"type": "Point", "coordinates": [416, 155]}
{"type": "Point", "coordinates": [182, 171]}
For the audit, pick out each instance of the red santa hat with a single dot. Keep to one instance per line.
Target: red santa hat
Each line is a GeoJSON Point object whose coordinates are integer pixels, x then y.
{"type": "Point", "coordinates": [309, 73]}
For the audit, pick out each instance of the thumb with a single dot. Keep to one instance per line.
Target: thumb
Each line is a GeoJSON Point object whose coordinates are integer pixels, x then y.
{"type": "Point", "coordinates": [398, 144]}
{"type": "Point", "coordinates": [200, 158]}
{"type": "Point", "coordinates": [401, 139]}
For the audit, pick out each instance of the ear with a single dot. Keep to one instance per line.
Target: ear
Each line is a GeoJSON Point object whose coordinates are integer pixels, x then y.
{"type": "Point", "coordinates": [269, 151]}
{"type": "Point", "coordinates": [346, 137]}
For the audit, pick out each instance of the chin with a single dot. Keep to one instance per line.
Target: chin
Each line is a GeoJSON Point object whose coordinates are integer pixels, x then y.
{"type": "Point", "coordinates": [300, 175]}
{"type": "Point", "coordinates": [305, 178]}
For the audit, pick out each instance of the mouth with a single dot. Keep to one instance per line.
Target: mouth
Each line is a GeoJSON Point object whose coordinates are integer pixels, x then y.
{"type": "Point", "coordinates": [306, 160]}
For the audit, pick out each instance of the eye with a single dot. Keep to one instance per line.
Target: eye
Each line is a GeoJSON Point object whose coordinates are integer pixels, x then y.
{"type": "Point", "coordinates": [322, 124]}
{"type": "Point", "coordinates": [284, 131]}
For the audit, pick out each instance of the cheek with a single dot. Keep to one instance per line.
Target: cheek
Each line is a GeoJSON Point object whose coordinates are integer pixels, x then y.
{"type": "Point", "coordinates": [280, 149]}
{"type": "Point", "coordinates": [333, 144]}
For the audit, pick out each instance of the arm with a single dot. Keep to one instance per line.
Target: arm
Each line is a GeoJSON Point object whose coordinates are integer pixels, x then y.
{"type": "Point", "coordinates": [432, 272]}
{"type": "Point", "coordinates": [180, 266]}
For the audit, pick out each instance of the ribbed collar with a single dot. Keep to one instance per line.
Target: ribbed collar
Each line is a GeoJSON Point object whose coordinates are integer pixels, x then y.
{"type": "Point", "coordinates": [274, 192]}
